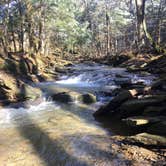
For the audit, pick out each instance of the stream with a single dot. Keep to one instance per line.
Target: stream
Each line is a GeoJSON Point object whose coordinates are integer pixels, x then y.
{"type": "Point", "coordinates": [46, 132]}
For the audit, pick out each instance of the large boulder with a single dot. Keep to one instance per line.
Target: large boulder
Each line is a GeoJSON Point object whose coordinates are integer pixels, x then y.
{"type": "Point", "coordinates": [158, 128]}
{"type": "Point", "coordinates": [116, 102]}
{"type": "Point", "coordinates": [155, 111]}
{"type": "Point", "coordinates": [136, 106]}
{"type": "Point", "coordinates": [159, 85]}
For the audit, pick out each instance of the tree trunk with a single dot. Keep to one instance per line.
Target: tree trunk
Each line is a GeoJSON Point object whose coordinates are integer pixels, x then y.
{"type": "Point", "coordinates": [14, 42]}
{"type": "Point", "coordinates": [13, 36]}
{"type": "Point", "coordinates": [5, 41]}
{"type": "Point", "coordinates": [142, 29]}
{"type": "Point", "coordinates": [108, 33]}
{"type": "Point", "coordinates": [159, 22]}
{"type": "Point", "coordinates": [140, 10]}
{"type": "Point", "coordinates": [4, 46]}
{"type": "Point", "coordinates": [21, 35]}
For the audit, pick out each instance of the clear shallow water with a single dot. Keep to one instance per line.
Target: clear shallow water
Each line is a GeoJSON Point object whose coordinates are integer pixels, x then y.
{"type": "Point", "coordinates": [50, 133]}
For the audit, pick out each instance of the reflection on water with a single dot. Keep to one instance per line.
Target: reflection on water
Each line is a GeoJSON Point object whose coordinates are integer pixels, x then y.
{"type": "Point", "coordinates": [50, 133]}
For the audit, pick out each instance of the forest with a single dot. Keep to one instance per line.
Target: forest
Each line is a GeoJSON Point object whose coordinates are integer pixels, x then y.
{"type": "Point", "coordinates": [95, 28]}
{"type": "Point", "coordinates": [83, 82]}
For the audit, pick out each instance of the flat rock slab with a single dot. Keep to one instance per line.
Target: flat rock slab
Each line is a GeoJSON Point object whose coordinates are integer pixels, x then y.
{"type": "Point", "coordinates": [137, 106]}
{"type": "Point", "coordinates": [155, 111]}
{"type": "Point", "coordinates": [158, 128]}
{"type": "Point", "coordinates": [143, 120]}
{"type": "Point", "coordinates": [116, 102]}
{"type": "Point", "coordinates": [148, 139]}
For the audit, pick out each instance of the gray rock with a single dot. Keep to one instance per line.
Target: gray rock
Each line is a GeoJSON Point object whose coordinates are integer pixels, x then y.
{"type": "Point", "coordinates": [148, 139]}
{"type": "Point", "coordinates": [123, 82]}
{"type": "Point", "coordinates": [143, 120]}
{"type": "Point", "coordinates": [70, 96]}
{"type": "Point", "coordinates": [87, 98]}
{"type": "Point", "coordinates": [158, 128]}
{"type": "Point", "coordinates": [159, 85]}
{"type": "Point", "coordinates": [136, 106]}
{"type": "Point", "coordinates": [29, 92]}
{"type": "Point", "coordinates": [65, 97]}
{"type": "Point", "coordinates": [116, 102]}
{"type": "Point", "coordinates": [155, 110]}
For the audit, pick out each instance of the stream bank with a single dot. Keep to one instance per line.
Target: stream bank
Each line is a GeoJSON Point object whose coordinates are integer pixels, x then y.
{"type": "Point", "coordinates": [20, 71]}
{"type": "Point", "coordinates": [142, 108]}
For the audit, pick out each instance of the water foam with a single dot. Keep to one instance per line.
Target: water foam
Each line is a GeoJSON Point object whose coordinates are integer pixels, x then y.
{"type": "Point", "coordinates": [9, 115]}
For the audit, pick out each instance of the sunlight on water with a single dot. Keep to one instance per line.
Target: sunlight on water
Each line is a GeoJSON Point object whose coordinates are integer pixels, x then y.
{"type": "Point", "coordinates": [73, 80]}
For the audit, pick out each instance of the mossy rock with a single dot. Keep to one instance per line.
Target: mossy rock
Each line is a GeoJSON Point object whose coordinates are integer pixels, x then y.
{"type": "Point", "coordinates": [148, 139]}
{"type": "Point", "coordinates": [87, 98]}
{"type": "Point", "coordinates": [29, 92]}
{"type": "Point", "coordinates": [23, 67]}
{"type": "Point", "coordinates": [11, 66]}
{"type": "Point", "coordinates": [27, 67]}
{"type": "Point", "coordinates": [65, 97]}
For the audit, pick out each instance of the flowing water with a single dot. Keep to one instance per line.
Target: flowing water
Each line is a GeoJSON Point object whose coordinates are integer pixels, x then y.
{"type": "Point", "coordinates": [49, 133]}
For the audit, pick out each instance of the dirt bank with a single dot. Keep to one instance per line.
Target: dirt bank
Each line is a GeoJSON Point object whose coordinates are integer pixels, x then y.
{"type": "Point", "coordinates": [20, 70]}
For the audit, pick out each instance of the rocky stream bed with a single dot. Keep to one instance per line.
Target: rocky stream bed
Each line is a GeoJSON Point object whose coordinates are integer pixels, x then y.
{"type": "Point", "coordinates": [93, 115]}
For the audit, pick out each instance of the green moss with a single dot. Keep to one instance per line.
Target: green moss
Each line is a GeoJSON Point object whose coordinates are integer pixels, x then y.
{"type": "Point", "coordinates": [10, 66]}
{"type": "Point", "coordinates": [23, 67]}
